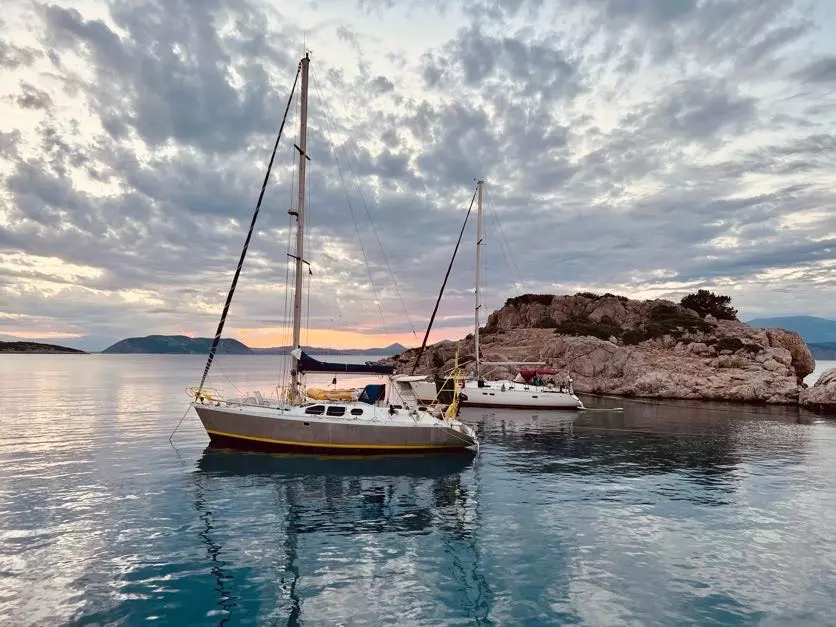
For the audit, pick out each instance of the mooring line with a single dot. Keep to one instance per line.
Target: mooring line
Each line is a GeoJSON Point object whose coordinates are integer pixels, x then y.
{"type": "Point", "coordinates": [178, 425]}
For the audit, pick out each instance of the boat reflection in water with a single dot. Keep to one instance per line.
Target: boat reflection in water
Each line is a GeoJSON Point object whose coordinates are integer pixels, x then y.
{"type": "Point", "coordinates": [314, 500]}
{"type": "Point", "coordinates": [224, 462]}
{"type": "Point", "coordinates": [704, 444]}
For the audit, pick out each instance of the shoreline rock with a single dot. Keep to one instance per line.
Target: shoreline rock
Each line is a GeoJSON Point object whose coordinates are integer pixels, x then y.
{"type": "Point", "coordinates": [821, 398]}
{"type": "Point", "coordinates": [650, 349]}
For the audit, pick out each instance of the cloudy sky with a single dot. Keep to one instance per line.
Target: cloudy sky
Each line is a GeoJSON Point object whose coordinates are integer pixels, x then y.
{"type": "Point", "coordinates": [642, 147]}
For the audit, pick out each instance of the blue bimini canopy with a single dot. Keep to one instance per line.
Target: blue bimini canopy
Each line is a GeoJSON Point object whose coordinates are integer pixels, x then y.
{"type": "Point", "coordinates": [306, 363]}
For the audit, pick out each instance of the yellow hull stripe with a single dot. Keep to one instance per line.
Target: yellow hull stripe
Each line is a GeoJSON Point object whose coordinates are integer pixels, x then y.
{"type": "Point", "coordinates": [320, 445]}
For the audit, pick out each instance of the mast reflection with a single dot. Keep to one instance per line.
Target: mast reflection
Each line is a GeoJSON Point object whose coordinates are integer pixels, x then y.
{"type": "Point", "coordinates": [410, 494]}
{"type": "Point", "coordinates": [226, 601]}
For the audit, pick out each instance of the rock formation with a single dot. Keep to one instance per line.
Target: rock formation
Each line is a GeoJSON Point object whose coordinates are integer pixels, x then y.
{"type": "Point", "coordinates": [614, 345]}
{"type": "Point", "coordinates": [822, 396]}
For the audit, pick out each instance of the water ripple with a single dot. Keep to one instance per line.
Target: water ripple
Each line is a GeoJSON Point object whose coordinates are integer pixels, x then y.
{"type": "Point", "coordinates": [664, 514]}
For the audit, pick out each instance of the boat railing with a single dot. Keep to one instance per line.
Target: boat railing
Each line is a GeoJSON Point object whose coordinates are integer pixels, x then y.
{"type": "Point", "coordinates": [199, 394]}
{"type": "Point", "coordinates": [213, 396]}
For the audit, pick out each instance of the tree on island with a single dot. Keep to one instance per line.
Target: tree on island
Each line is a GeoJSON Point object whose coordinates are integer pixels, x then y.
{"type": "Point", "coordinates": [705, 302]}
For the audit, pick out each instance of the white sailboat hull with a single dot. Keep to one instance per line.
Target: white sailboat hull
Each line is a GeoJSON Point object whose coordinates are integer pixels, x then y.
{"type": "Point", "coordinates": [506, 394]}
{"type": "Point", "coordinates": [510, 395]}
{"type": "Point", "coordinates": [295, 428]}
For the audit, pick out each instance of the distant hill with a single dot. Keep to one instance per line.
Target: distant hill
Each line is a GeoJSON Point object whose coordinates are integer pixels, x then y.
{"type": "Point", "coordinates": [177, 345]}
{"type": "Point", "coordinates": [392, 349]}
{"type": "Point", "coordinates": [183, 345]}
{"type": "Point", "coordinates": [814, 330]}
{"type": "Point", "coordinates": [36, 347]}
{"type": "Point", "coordinates": [85, 343]}
{"type": "Point", "coordinates": [823, 350]}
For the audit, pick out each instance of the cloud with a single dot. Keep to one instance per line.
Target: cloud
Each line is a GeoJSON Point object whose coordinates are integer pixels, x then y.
{"type": "Point", "coordinates": [527, 65]}
{"type": "Point", "coordinates": [13, 57]}
{"type": "Point", "coordinates": [819, 71]}
{"type": "Point", "coordinates": [640, 147]}
{"type": "Point", "coordinates": [174, 76]}
{"type": "Point", "coordinates": [9, 141]}
{"type": "Point", "coordinates": [32, 98]}
{"type": "Point", "coordinates": [700, 110]}
{"type": "Point", "coordinates": [382, 85]}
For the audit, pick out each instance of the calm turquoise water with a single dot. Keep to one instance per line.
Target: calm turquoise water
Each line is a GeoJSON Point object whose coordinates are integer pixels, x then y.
{"type": "Point", "coordinates": [671, 514]}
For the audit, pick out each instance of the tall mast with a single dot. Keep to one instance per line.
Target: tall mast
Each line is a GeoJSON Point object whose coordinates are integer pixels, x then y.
{"type": "Point", "coordinates": [300, 215]}
{"type": "Point", "coordinates": [478, 267]}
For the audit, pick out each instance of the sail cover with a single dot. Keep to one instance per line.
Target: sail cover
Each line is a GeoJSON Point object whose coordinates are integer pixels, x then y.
{"type": "Point", "coordinates": [527, 375]}
{"type": "Point", "coordinates": [306, 363]}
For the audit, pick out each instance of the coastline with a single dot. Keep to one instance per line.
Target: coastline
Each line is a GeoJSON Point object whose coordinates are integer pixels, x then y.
{"type": "Point", "coordinates": [37, 348]}
{"type": "Point", "coordinates": [809, 380]}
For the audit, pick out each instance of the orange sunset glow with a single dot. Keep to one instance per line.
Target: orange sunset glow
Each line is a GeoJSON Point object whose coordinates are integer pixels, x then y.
{"type": "Point", "coordinates": [329, 338]}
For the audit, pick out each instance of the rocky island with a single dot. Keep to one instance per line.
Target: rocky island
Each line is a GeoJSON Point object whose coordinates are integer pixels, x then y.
{"type": "Point", "coordinates": [176, 345]}
{"type": "Point", "coordinates": [185, 345]}
{"type": "Point", "coordinates": [652, 348]}
{"type": "Point", "coordinates": [37, 347]}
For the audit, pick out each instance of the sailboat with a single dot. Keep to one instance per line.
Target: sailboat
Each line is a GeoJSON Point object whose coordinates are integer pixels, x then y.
{"type": "Point", "coordinates": [533, 387]}
{"type": "Point", "coordinates": [383, 419]}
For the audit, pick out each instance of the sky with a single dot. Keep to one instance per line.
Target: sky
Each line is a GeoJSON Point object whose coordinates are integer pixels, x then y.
{"type": "Point", "coordinates": [641, 147]}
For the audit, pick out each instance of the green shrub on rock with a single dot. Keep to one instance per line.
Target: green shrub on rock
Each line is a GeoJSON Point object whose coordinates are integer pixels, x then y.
{"type": "Point", "coordinates": [668, 320]}
{"type": "Point", "coordinates": [546, 322]}
{"type": "Point", "coordinates": [732, 344]}
{"type": "Point", "coordinates": [632, 337]}
{"type": "Point", "coordinates": [542, 299]}
{"type": "Point", "coordinates": [605, 329]}
{"type": "Point", "coordinates": [705, 303]}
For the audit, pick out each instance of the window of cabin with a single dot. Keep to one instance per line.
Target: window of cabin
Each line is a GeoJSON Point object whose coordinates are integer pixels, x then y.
{"type": "Point", "coordinates": [357, 411]}
{"type": "Point", "coordinates": [315, 409]}
{"type": "Point", "coordinates": [335, 410]}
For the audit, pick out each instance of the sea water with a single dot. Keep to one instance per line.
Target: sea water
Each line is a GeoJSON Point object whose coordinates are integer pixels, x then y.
{"type": "Point", "coordinates": [665, 513]}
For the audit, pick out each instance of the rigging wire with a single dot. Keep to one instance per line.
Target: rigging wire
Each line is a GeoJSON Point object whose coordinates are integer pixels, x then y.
{"type": "Point", "coordinates": [330, 122]}
{"type": "Point", "coordinates": [310, 271]}
{"type": "Point", "coordinates": [443, 284]}
{"type": "Point", "coordinates": [226, 376]}
{"type": "Point", "coordinates": [228, 302]}
{"type": "Point", "coordinates": [483, 242]}
{"type": "Point", "coordinates": [503, 239]}
{"type": "Point", "coordinates": [285, 335]}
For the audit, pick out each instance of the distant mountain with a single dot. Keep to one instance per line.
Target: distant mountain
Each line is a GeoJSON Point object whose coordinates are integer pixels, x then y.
{"type": "Point", "coordinates": [85, 343]}
{"type": "Point", "coordinates": [814, 330]}
{"type": "Point", "coordinates": [177, 345]}
{"type": "Point", "coordinates": [823, 350]}
{"type": "Point", "coordinates": [36, 347]}
{"type": "Point", "coordinates": [392, 349]}
{"type": "Point", "coordinates": [183, 345]}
